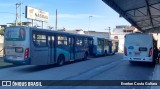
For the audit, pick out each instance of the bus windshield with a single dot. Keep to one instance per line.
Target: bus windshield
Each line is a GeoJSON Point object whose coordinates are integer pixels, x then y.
{"type": "Point", "coordinates": [15, 34]}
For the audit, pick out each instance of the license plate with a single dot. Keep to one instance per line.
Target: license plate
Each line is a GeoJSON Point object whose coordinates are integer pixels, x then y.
{"type": "Point", "coordinates": [137, 53]}
{"type": "Point", "coordinates": [19, 49]}
{"type": "Point", "coordinates": [142, 49]}
{"type": "Point", "coordinates": [136, 58]}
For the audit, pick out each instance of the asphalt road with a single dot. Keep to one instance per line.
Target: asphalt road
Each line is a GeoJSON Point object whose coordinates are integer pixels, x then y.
{"type": "Point", "coordinates": [100, 68]}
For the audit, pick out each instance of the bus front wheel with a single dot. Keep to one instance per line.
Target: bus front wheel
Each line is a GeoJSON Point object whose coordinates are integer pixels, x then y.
{"type": "Point", "coordinates": [61, 60]}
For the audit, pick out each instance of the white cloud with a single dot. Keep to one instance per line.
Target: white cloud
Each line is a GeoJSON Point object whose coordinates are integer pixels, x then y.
{"type": "Point", "coordinates": [76, 16]}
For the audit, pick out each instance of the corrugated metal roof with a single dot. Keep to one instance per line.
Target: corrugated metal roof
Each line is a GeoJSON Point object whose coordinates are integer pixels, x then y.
{"type": "Point", "coordinates": [143, 14]}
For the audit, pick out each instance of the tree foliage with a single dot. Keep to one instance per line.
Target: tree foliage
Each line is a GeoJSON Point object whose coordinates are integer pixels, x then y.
{"type": "Point", "coordinates": [2, 31]}
{"type": "Point", "coordinates": [50, 27]}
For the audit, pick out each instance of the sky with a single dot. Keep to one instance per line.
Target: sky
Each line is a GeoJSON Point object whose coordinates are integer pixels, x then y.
{"type": "Point", "coordinates": [72, 14]}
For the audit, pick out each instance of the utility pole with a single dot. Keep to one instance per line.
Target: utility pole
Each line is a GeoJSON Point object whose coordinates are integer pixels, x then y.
{"type": "Point", "coordinates": [109, 29]}
{"type": "Point", "coordinates": [21, 12]}
{"type": "Point", "coordinates": [56, 19]}
{"type": "Point", "coordinates": [17, 6]}
{"type": "Point", "coordinates": [89, 23]}
{"type": "Point", "coordinates": [16, 13]}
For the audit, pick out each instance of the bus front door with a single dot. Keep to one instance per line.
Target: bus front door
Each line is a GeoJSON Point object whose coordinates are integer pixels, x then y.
{"type": "Point", "coordinates": [39, 49]}
{"type": "Point", "coordinates": [72, 48]}
{"type": "Point", "coordinates": [51, 52]}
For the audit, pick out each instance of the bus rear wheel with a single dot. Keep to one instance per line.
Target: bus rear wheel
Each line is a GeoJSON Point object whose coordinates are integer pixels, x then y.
{"type": "Point", "coordinates": [61, 60]}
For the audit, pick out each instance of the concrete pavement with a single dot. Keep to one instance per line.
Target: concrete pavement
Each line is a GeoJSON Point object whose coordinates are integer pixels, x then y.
{"type": "Point", "coordinates": [100, 68]}
{"type": "Point", "coordinates": [156, 76]}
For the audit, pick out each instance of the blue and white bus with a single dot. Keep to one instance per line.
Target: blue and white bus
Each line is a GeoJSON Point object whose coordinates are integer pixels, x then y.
{"type": "Point", "coordinates": [28, 45]}
{"type": "Point", "coordinates": [101, 46]}
{"type": "Point", "coordinates": [98, 46]}
{"type": "Point", "coordinates": [112, 47]}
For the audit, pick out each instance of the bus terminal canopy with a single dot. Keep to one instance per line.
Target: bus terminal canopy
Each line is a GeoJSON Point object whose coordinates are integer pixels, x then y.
{"type": "Point", "coordinates": [143, 14]}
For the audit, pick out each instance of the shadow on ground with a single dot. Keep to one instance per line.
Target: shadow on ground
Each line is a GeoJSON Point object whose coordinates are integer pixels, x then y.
{"type": "Point", "coordinates": [142, 64]}
{"type": "Point", "coordinates": [35, 68]}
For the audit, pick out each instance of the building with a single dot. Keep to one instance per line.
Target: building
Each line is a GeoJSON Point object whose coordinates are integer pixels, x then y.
{"type": "Point", "coordinates": [90, 33]}
{"type": "Point", "coordinates": [98, 34]}
{"type": "Point", "coordinates": [2, 38]}
{"type": "Point", "coordinates": [23, 24]}
{"type": "Point", "coordinates": [119, 33]}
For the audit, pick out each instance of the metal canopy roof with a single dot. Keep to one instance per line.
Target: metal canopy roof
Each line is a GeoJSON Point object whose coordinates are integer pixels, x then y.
{"type": "Point", "coordinates": [143, 14]}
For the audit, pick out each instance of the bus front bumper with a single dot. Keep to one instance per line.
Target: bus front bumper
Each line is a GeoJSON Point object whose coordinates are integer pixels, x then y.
{"type": "Point", "coordinates": [140, 59]}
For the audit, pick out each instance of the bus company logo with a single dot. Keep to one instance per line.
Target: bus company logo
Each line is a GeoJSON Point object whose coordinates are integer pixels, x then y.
{"type": "Point", "coordinates": [6, 83]}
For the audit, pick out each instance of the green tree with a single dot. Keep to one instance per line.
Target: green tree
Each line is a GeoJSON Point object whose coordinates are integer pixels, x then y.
{"type": "Point", "coordinates": [2, 31]}
{"type": "Point", "coordinates": [14, 23]}
{"type": "Point", "coordinates": [50, 27]}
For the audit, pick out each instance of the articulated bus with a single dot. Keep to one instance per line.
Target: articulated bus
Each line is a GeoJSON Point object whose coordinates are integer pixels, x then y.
{"type": "Point", "coordinates": [34, 46]}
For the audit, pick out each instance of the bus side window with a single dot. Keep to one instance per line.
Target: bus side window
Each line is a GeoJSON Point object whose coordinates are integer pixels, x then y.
{"type": "Point", "coordinates": [39, 40]}
{"type": "Point", "coordinates": [90, 42]}
{"type": "Point", "coordinates": [79, 42]}
{"type": "Point", "coordinates": [70, 41]}
{"type": "Point", "coordinates": [49, 41]}
{"type": "Point", "coordinates": [86, 42]}
{"type": "Point", "coordinates": [53, 41]}
{"type": "Point", "coordinates": [62, 40]}
{"type": "Point", "coordinates": [99, 42]}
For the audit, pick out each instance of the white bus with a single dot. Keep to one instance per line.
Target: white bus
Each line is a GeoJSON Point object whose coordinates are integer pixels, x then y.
{"type": "Point", "coordinates": [27, 45]}
{"type": "Point", "coordinates": [140, 47]}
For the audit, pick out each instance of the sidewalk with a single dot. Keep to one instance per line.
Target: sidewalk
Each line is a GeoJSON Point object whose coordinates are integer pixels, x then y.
{"type": "Point", "coordinates": [2, 63]}
{"type": "Point", "coordinates": [156, 75]}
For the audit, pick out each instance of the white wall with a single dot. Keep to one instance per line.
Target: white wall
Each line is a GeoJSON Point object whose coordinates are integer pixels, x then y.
{"type": "Point", "coordinates": [1, 39]}
{"type": "Point", "coordinates": [1, 44]}
{"type": "Point", "coordinates": [157, 37]}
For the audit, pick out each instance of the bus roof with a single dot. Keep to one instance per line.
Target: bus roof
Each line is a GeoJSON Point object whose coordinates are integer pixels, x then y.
{"type": "Point", "coordinates": [140, 34]}
{"type": "Point", "coordinates": [50, 31]}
